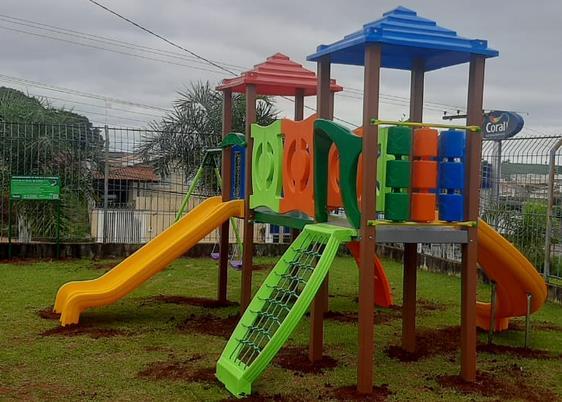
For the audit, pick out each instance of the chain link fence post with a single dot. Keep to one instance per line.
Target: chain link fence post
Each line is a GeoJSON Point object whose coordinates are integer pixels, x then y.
{"type": "Point", "coordinates": [105, 183]}
{"type": "Point", "coordinates": [550, 205]}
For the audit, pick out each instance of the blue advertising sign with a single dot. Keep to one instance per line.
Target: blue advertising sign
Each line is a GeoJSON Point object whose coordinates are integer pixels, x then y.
{"type": "Point", "coordinates": [499, 125]}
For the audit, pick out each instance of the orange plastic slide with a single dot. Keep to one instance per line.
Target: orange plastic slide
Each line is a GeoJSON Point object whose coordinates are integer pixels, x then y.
{"type": "Point", "coordinates": [383, 292]}
{"type": "Point", "coordinates": [514, 275]}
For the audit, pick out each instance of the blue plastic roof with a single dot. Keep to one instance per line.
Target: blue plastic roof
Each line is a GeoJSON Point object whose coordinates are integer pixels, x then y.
{"type": "Point", "coordinates": [404, 37]}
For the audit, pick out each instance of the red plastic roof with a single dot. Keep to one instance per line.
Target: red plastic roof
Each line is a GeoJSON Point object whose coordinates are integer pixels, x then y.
{"type": "Point", "coordinates": [277, 76]}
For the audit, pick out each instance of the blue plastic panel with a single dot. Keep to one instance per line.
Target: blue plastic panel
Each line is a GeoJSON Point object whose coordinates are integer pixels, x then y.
{"type": "Point", "coordinates": [451, 207]}
{"type": "Point", "coordinates": [238, 177]}
{"type": "Point", "coordinates": [451, 175]}
{"type": "Point", "coordinates": [452, 144]}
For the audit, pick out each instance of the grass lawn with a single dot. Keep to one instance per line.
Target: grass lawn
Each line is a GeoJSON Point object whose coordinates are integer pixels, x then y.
{"type": "Point", "coordinates": [152, 347]}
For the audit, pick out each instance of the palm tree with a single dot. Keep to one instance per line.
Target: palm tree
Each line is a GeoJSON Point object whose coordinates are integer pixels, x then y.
{"type": "Point", "coordinates": [195, 124]}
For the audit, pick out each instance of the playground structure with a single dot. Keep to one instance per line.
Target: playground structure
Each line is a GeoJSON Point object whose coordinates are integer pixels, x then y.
{"type": "Point", "coordinates": [297, 172]}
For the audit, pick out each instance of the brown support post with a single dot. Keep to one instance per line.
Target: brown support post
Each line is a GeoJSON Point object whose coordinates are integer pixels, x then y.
{"type": "Point", "coordinates": [411, 249]}
{"type": "Point", "coordinates": [319, 303]}
{"type": "Point", "coordinates": [226, 170]}
{"type": "Point", "coordinates": [299, 115]}
{"type": "Point", "coordinates": [324, 290]}
{"type": "Point", "coordinates": [368, 211]}
{"type": "Point", "coordinates": [472, 199]}
{"type": "Point", "coordinates": [299, 104]}
{"type": "Point", "coordinates": [248, 242]}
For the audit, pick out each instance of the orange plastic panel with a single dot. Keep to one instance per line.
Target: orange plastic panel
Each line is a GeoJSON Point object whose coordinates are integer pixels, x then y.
{"type": "Point", "coordinates": [424, 175]}
{"type": "Point", "coordinates": [422, 207]}
{"type": "Point", "coordinates": [334, 196]}
{"type": "Point", "coordinates": [425, 143]}
{"type": "Point", "coordinates": [298, 172]}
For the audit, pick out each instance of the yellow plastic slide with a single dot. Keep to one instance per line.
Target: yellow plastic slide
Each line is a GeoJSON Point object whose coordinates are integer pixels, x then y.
{"type": "Point", "coordinates": [75, 297]}
{"type": "Point", "coordinates": [514, 275]}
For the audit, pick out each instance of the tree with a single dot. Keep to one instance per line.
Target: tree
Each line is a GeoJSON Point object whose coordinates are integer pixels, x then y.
{"type": "Point", "coordinates": [195, 124]}
{"type": "Point", "coordinates": [40, 140]}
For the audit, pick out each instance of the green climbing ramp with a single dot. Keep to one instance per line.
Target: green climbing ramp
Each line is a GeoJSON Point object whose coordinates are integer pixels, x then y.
{"type": "Point", "coordinates": [279, 305]}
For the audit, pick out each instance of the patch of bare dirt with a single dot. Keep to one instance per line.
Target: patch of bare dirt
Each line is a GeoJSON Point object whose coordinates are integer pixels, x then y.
{"type": "Point", "coordinates": [210, 325]}
{"type": "Point", "coordinates": [526, 353]}
{"type": "Point", "coordinates": [516, 325]}
{"type": "Point", "coordinates": [153, 348]}
{"type": "Point", "coordinates": [262, 267]}
{"type": "Point", "coordinates": [349, 393]}
{"type": "Point", "coordinates": [192, 301]}
{"type": "Point", "coordinates": [183, 370]}
{"type": "Point", "coordinates": [424, 305]}
{"type": "Point", "coordinates": [79, 330]}
{"type": "Point", "coordinates": [296, 359]}
{"type": "Point", "coordinates": [48, 314]}
{"type": "Point", "coordinates": [443, 341]}
{"type": "Point", "coordinates": [257, 397]}
{"type": "Point", "coordinates": [381, 316]}
{"type": "Point", "coordinates": [517, 388]}
{"type": "Point", "coordinates": [104, 266]}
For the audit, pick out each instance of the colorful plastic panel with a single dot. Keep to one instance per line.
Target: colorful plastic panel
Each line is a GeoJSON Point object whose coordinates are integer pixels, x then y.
{"type": "Point", "coordinates": [399, 141]}
{"type": "Point", "coordinates": [452, 148]}
{"type": "Point", "coordinates": [298, 157]}
{"type": "Point", "coordinates": [349, 145]}
{"type": "Point", "coordinates": [334, 197]}
{"type": "Point", "coordinates": [267, 160]}
{"type": "Point", "coordinates": [397, 206]}
{"type": "Point", "coordinates": [452, 144]}
{"type": "Point", "coordinates": [398, 174]}
{"type": "Point", "coordinates": [238, 169]}
{"type": "Point", "coordinates": [451, 207]}
{"type": "Point", "coordinates": [424, 174]}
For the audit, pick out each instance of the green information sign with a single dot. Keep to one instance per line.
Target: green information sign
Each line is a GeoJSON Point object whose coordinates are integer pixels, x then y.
{"type": "Point", "coordinates": [35, 188]}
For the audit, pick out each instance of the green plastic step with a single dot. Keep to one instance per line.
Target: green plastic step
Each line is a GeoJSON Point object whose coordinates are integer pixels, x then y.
{"type": "Point", "coordinates": [279, 305]}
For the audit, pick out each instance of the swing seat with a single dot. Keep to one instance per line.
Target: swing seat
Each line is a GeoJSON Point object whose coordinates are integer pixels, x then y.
{"type": "Point", "coordinates": [215, 256]}
{"type": "Point", "coordinates": [236, 264]}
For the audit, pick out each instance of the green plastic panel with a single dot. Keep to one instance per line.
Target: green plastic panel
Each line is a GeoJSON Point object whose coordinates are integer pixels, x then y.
{"type": "Point", "coordinates": [349, 145]}
{"type": "Point", "coordinates": [399, 141]}
{"type": "Point", "coordinates": [397, 207]}
{"type": "Point", "coordinates": [279, 305]}
{"type": "Point", "coordinates": [267, 162]}
{"type": "Point", "coordinates": [292, 220]}
{"type": "Point", "coordinates": [398, 173]}
{"type": "Point", "coordinates": [384, 157]}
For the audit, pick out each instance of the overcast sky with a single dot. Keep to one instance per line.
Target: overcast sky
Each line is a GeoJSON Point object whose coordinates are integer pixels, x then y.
{"type": "Point", "coordinates": [526, 77]}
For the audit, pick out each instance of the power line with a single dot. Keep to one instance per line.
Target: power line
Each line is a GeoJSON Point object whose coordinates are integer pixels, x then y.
{"type": "Point", "coordinates": [94, 105]}
{"type": "Point", "coordinates": [390, 99]}
{"type": "Point", "coordinates": [108, 50]}
{"type": "Point", "coordinates": [217, 65]}
{"type": "Point", "coordinates": [36, 84]}
{"type": "Point", "coordinates": [162, 38]}
{"type": "Point", "coordinates": [103, 39]}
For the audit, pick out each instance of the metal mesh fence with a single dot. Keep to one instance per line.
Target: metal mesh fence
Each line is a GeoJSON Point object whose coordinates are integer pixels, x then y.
{"type": "Point", "coordinates": [514, 199]}
{"type": "Point", "coordinates": [112, 189]}
{"type": "Point", "coordinates": [119, 185]}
